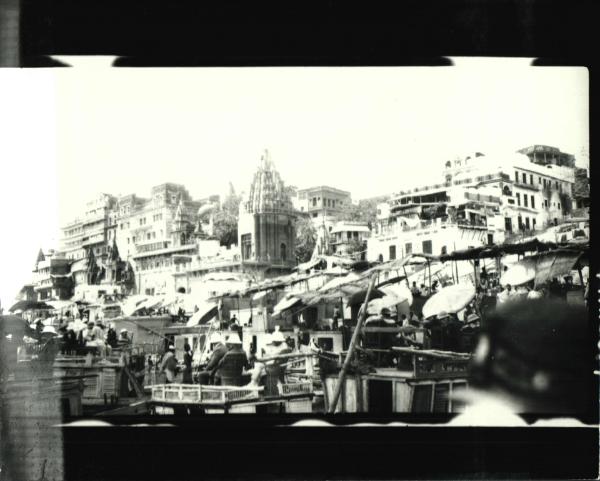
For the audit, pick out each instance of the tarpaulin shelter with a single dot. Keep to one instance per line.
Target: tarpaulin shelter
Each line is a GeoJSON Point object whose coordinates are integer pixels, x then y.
{"type": "Point", "coordinates": [543, 267]}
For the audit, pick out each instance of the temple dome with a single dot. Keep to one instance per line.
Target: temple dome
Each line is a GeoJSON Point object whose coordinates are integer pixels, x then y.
{"type": "Point", "coordinates": [267, 192]}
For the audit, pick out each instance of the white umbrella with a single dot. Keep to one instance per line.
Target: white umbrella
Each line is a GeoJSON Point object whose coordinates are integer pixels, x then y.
{"type": "Point", "coordinates": [390, 302]}
{"type": "Point", "coordinates": [399, 290]}
{"type": "Point", "coordinates": [449, 299]}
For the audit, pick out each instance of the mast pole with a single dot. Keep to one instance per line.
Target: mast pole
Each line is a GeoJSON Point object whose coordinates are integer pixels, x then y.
{"type": "Point", "coordinates": [351, 348]}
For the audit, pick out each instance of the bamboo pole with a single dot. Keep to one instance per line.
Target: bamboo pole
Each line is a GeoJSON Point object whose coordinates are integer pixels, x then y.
{"type": "Point", "coordinates": [351, 348]}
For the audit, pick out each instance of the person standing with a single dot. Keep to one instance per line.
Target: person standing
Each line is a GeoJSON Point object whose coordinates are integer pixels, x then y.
{"type": "Point", "coordinates": [336, 317]}
{"type": "Point", "coordinates": [187, 364]}
{"type": "Point", "coordinates": [169, 365]}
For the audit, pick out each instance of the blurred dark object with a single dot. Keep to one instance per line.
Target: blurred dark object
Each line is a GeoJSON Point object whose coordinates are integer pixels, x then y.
{"type": "Point", "coordinates": [540, 353]}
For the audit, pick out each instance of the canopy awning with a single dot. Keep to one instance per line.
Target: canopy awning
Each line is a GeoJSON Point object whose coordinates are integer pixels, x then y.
{"type": "Point", "coordinates": [206, 311]}
{"type": "Point", "coordinates": [259, 295]}
{"type": "Point", "coordinates": [285, 304]}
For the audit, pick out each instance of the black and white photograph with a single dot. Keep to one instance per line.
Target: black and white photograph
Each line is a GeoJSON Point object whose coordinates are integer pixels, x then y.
{"type": "Point", "coordinates": [294, 250]}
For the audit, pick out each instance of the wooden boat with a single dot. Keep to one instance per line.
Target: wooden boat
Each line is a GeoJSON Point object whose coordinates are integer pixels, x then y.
{"type": "Point", "coordinates": [423, 382]}
{"type": "Point", "coordinates": [197, 399]}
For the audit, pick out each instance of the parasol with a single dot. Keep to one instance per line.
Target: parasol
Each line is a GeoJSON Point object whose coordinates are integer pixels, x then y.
{"type": "Point", "coordinates": [14, 325]}
{"type": "Point", "coordinates": [376, 305]}
{"type": "Point", "coordinates": [449, 300]}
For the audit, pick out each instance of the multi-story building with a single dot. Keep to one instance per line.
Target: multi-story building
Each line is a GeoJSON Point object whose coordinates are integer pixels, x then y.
{"type": "Point", "coordinates": [480, 200]}
{"type": "Point", "coordinates": [349, 238]}
{"type": "Point", "coordinates": [52, 277]}
{"type": "Point", "coordinates": [322, 203]}
{"type": "Point", "coordinates": [91, 231]}
{"type": "Point", "coordinates": [151, 233]}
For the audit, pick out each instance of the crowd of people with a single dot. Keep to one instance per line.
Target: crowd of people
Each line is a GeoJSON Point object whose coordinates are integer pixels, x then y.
{"type": "Point", "coordinates": [227, 362]}
{"type": "Point", "coordinates": [72, 338]}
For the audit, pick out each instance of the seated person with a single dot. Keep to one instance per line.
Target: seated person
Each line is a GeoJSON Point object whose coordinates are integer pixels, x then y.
{"type": "Point", "coordinates": [123, 337]}
{"type": "Point", "coordinates": [69, 340]}
{"type": "Point", "coordinates": [207, 375]}
{"type": "Point", "coordinates": [415, 290]}
{"type": "Point", "coordinates": [111, 337]}
{"type": "Point", "coordinates": [232, 365]}
{"type": "Point", "coordinates": [93, 337]}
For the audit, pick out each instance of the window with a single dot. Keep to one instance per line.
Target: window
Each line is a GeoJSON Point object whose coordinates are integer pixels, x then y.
{"type": "Point", "coordinates": [533, 223]}
{"type": "Point", "coordinates": [444, 250]}
{"type": "Point", "coordinates": [516, 176]}
{"type": "Point", "coordinates": [422, 398]}
{"type": "Point", "coordinates": [525, 200]}
{"type": "Point", "coordinates": [524, 177]}
{"type": "Point", "coordinates": [558, 205]}
{"type": "Point", "coordinates": [392, 252]}
{"type": "Point", "coordinates": [315, 214]}
{"type": "Point", "coordinates": [283, 251]}
{"type": "Point", "coordinates": [520, 222]}
{"type": "Point", "coordinates": [246, 246]}
{"type": "Point", "coordinates": [148, 236]}
{"type": "Point", "coordinates": [518, 198]}
{"type": "Point", "coordinates": [427, 247]}
{"type": "Point", "coordinates": [408, 248]}
{"type": "Point", "coordinates": [533, 201]}
{"type": "Point", "coordinates": [539, 180]}
{"type": "Point", "coordinates": [556, 183]}
{"type": "Point", "coordinates": [531, 179]}
{"type": "Point", "coordinates": [527, 226]}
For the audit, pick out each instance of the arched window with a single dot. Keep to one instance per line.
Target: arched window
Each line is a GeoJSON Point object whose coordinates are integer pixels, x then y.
{"type": "Point", "coordinates": [380, 258]}
{"type": "Point", "coordinates": [283, 249]}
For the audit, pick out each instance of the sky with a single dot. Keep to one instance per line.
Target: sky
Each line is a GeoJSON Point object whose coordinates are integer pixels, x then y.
{"type": "Point", "coordinates": [69, 133]}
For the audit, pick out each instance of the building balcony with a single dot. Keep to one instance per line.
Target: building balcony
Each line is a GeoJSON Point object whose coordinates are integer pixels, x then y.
{"type": "Point", "coordinates": [525, 185]}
